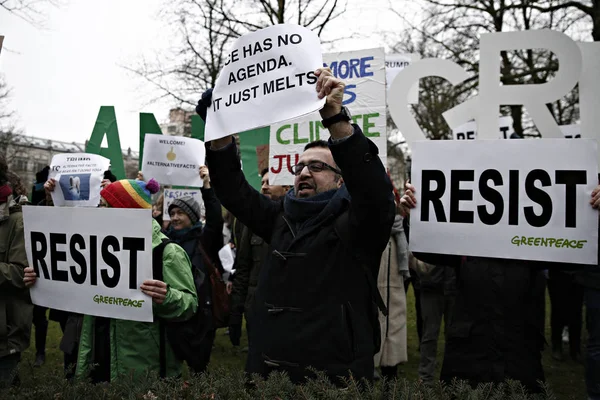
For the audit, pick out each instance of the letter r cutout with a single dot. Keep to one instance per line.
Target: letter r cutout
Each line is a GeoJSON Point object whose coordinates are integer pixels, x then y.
{"type": "Point", "coordinates": [492, 94]}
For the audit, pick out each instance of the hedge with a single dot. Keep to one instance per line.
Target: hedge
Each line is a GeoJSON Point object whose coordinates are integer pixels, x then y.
{"type": "Point", "coordinates": [224, 384]}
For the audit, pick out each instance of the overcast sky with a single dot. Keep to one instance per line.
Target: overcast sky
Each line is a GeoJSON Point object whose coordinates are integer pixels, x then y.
{"type": "Point", "coordinates": [62, 74]}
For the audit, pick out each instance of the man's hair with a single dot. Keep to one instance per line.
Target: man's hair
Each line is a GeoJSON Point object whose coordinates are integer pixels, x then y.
{"type": "Point", "coordinates": [316, 143]}
{"type": "Point", "coordinates": [264, 171]}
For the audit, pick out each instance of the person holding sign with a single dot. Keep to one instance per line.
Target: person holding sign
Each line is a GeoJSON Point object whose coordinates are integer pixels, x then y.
{"type": "Point", "coordinates": [200, 242]}
{"type": "Point", "coordinates": [16, 310]}
{"type": "Point", "coordinates": [497, 328]}
{"type": "Point", "coordinates": [316, 300]}
{"type": "Point", "coordinates": [251, 252]}
{"type": "Point", "coordinates": [110, 348]}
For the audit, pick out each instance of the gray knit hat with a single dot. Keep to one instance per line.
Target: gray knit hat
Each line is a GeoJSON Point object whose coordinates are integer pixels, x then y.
{"type": "Point", "coordinates": [189, 206]}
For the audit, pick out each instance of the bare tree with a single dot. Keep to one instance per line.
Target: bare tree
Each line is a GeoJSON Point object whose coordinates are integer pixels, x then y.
{"type": "Point", "coordinates": [33, 12]}
{"type": "Point", "coordinates": [8, 132]}
{"type": "Point", "coordinates": [206, 28]}
{"type": "Point", "coordinates": [454, 27]}
{"type": "Point", "coordinates": [586, 9]}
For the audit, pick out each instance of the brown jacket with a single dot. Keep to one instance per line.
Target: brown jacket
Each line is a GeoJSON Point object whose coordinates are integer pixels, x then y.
{"type": "Point", "coordinates": [16, 310]}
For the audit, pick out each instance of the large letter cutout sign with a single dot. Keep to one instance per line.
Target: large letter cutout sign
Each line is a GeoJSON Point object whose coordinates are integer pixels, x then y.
{"type": "Point", "coordinates": [578, 62]}
{"type": "Point", "coordinates": [106, 124]}
{"type": "Point", "coordinates": [492, 94]}
{"type": "Point", "coordinates": [401, 88]}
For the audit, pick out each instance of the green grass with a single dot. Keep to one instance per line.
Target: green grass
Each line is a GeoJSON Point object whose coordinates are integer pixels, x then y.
{"type": "Point", "coordinates": [565, 378]}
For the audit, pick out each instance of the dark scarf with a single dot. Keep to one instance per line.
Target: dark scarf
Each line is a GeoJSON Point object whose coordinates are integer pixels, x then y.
{"type": "Point", "coordinates": [181, 235]}
{"type": "Point", "coordinates": [305, 213]}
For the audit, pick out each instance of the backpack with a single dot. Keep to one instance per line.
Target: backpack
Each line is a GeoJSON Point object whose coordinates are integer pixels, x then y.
{"type": "Point", "coordinates": [221, 300]}
{"type": "Point", "coordinates": [185, 337]}
{"type": "Point", "coordinates": [377, 304]}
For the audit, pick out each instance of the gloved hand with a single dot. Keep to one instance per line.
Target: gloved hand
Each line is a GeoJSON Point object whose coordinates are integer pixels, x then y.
{"type": "Point", "coordinates": [204, 103]}
{"type": "Point", "coordinates": [235, 333]}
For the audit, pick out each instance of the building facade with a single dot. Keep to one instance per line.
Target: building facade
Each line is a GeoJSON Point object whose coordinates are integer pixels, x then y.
{"type": "Point", "coordinates": [180, 123]}
{"type": "Point", "coordinates": [27, 154]}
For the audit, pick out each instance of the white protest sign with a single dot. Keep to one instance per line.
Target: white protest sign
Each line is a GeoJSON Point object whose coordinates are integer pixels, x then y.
{"type": "Point", "coordinates": [363, 71]}
{"type": "Point", "coordinates": [571, 131]}
{"type": "Point", "coordinates": [394, 63]}
{"type": "Point", "coordinates": [171, 194]}
{"type": "Point", "coordinates": [268, 77]}
{"type": "Point", "coordinates": [173, 160]}
{"type": "Point", "coordinates": [226, 257]}
{"type": "Point", "coordinates": [91, 260]}
{"type": "Point", "coordinates": [468, 131]}
{"type": "Point", "coordinates": [535, 207]}
{"type": "Point", "coordinates": [78, 177]}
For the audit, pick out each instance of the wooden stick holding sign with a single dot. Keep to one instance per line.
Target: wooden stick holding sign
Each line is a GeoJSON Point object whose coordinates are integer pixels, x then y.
{"type": "Point", "coordinates": [1, 41]}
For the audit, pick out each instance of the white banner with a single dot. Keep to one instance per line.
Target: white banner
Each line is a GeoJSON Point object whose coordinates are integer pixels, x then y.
{"type": "Point", "coordinates": [91, 260]}
{"type": "Point", "coordinates": [78, 177]}
{"type": "Point", "coordinates": [268, 77]}
{"type": "Point", "coordinates": [394, 63]}
{"type": "Point", "coordinates": [571, 131]}
{"type": "Point", "coordinates": [173, 160]}
{"type": "Point", "coordinates": [227, 258]}
{"type": "Point", "coordinates": [471, 201]}
{"type": "Point", "coordinates": [171, 194]}
{"type": "Point", "coordinates": [468, 131]}
{"type": "Point", "coordinates": [363, 72]}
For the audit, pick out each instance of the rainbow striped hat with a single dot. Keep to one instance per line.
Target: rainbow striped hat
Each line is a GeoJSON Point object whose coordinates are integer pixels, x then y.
{"type": "Point", "coordinates": [129, 193]}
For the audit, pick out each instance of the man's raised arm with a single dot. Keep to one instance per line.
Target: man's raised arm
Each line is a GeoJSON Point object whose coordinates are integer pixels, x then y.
{"type": "Point", "coordinates": [372, 206]}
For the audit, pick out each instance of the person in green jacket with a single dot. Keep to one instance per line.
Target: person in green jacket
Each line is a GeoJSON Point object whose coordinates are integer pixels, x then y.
{"type": "Point", "coordinates": [16, 310]}
{"type": "Point", "coordinates": [110, 348]}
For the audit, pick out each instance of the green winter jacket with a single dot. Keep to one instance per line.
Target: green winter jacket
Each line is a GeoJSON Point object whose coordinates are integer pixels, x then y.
{"type": "Point", "coordinates": [16, 310]}
{"type": "Point", "coordinates": [135, 345]}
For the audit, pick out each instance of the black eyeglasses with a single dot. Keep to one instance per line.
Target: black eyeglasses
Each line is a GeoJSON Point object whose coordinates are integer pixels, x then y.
{"type": "Point", "coordinates": [313, 166]}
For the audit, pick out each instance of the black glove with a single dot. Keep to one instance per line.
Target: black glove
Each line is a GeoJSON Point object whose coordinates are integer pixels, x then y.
{"type": "Point", "coordinates": [235, 333]}
{"type": "Point", "coordinates": [204, 103]}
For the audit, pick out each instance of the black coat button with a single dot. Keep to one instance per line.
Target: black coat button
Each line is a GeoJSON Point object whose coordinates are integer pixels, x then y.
{"type": "Point", "coordinates": [367, 157]}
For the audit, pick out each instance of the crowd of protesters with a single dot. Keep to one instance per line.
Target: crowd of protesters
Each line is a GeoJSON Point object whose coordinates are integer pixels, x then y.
{"type": "Point", "coordinates": [321, 274]}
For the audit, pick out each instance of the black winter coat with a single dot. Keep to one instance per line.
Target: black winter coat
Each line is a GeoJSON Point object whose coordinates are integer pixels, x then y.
{"type": "Point", "coordinates": [313, 305]}
{"type": "Point", "coordinates": [251, 252]}
{"type": "Point", "coordinates": [497, 328]}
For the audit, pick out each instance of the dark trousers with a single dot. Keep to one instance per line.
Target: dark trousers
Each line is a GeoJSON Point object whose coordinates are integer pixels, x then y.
{"type": "Point", "coordinates": [434, 306]}
{"type": "Point", "coordinates": [204, 352]}
{"type": "Point", "coordinates": [69, 359]}
{"type": "Point", "coordinates": [566, 299]}
{"type": "Point", "coordinates": [41, 329]}
{"type": "Point", "coordinates": [9, 373]}
{"type": "Point", "coordinates": [592, 369]}
{"type": "Point", "coordinates": [417, 291]}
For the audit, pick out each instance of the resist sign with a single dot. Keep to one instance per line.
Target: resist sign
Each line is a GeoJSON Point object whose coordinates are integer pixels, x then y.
{"type": "Point", "coordinates": [170, 195]}
{"type": "Point", "coordinates": [91, 261]}
{"type": "Point", "coordinates": [534, 208]}
{"type": "Point", "coordinates": [268, 77]}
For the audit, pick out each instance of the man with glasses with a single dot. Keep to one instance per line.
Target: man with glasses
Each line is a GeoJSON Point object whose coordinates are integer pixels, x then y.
{"type": "Point", "coordinates": [314, 303]}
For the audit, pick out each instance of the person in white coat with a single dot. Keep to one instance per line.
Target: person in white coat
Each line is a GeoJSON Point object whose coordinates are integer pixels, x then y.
{"type": "Point", "coordinates": [392, 272]}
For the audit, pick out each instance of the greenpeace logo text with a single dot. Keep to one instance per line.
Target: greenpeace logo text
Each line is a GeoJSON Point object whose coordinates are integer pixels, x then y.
{"type": "Point", "coordinates": [547, 242]}
{"type": "Point", "coordinates": [118, 301]}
